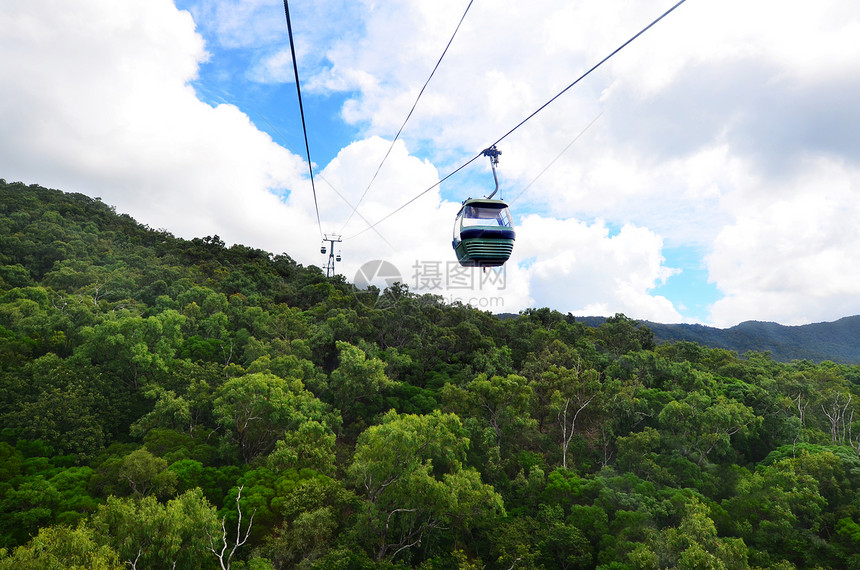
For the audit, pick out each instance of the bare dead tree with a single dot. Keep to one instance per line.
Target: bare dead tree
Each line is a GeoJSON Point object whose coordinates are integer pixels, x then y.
{"type": "Point", "coordinates": [801, 408]}
{"type": "Point", "coordinates": [228, 357]}
{"type": "Point", "coordinates": [568, 425]}
{"type": "Point", "coordinates": [225, 558]}
{"type": "Point", "coordinates": [836, 413]}
{"type": "Point", "coordinates": [133, 564]}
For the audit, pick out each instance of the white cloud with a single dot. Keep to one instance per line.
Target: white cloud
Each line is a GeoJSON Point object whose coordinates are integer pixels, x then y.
{"type": "Point", "coordinates": [241, 23]}
{"type": "Point", "coordinates": [580, 268]}
{"type": "Point", "coordinates": [96, 100]}
{"type": "Point", "coordinates": [793, 259]}
{"type": "Point", "coordinates": [727, 128]}
{"type": "Point", "coordinates": [719, 104]}
{"type": "Point", "coordinates": [563, 264]}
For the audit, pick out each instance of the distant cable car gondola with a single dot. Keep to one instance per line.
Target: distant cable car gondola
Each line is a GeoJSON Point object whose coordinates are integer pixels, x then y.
{"type": "Point", "coordinates": [483, 234]}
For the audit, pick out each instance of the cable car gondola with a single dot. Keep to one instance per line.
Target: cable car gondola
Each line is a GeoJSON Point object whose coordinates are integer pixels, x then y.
{"type": "Point", "coordinates": [483, 233]}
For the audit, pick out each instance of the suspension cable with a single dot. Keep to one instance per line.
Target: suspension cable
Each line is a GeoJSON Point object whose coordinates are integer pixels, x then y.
{"type": "Point", "coordinates": [302, 112]}
{"type": "Point", "coordinates": [397, 136]}
{"type": "Point", "coordinates": [284, 141]}
{"type": "Point", "coordinates": [553, 161]}
{"type": "Point", "coordinates": [521, 123]}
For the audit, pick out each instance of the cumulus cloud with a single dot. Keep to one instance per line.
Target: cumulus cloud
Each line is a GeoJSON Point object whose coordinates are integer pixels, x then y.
{"type": "Point", "coordinates": [719, 105]}
{"type": "Point", "coordinates": [793, 259]}
{"type": "Point", "coordinates": [582, 269]}
{"type": "Point", "coordinates": [97, 100]}
{"type": "Point", "coordinates": [726, 128]}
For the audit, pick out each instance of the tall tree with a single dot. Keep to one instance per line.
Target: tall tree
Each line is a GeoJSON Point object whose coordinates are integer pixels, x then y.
{"type": "Point", "coordinates": [64, 547]}
{"type": "Point", "coordinates": [409, 470]}
{"type": "Point", "coordinates": [149, 534]}
{"type": "Point", "coordinates": [501, 402]}
{"type": "Point", "coordinates": [699, 424]}
{"type": "Point", "coordinates": [259, 408]}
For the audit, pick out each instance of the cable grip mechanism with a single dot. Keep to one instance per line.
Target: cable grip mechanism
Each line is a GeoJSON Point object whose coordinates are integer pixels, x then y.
{"type": "Point", "coordinates": [493, 153]}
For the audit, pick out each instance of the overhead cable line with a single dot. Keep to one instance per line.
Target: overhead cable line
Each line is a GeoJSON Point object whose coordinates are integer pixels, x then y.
{"type": "Point", "coordinates": [461, 167]}
{"type": "Point", "coordinates": [553, 161]}
{"type": "Point", "coordinates": [521, 123]}
{"type": "Point", "coordinates": [397, 136]}
{"type": "Point", "coordinates": [319, 176]}
{"type": "Point", "coordinates": [215, 95]}
{"type": "Point", "coordinates": [302, 112]}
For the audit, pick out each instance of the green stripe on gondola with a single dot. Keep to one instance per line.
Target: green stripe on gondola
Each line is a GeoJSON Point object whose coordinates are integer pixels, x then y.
{"type": "Point", "coordinates": [482, 252]}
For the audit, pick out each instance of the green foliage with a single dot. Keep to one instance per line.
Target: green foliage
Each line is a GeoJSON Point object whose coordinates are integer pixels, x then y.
{"type": "Point", "coordinates": [154, 388]}
{"type": "Point", "coordinates": [259, 408]}
{"type": "Point", "coordinates": [356, 381]}
{"type": "Point", "coordinates": [311, 446]}
{"type": "Point", "coordinates": [692, 545]}
{"type": "Point", "coordinates": [409, 470]}
{"type": "Point", "coordinates": [500, 405]}
{"type": "Point", "coordinates": [66, 548]}
{"type": "Point", "coordinates": [150, 534]}
{"type": "Point", "coordinates": [144, 473]}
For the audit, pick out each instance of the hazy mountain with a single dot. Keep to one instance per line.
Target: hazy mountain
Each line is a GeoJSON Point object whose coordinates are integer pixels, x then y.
{"type": "Point", "coordinates": [838, 341]}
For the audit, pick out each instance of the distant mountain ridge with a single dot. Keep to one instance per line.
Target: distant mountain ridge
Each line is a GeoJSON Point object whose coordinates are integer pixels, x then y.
{"type": "Point", "coordinates": [838, 341]}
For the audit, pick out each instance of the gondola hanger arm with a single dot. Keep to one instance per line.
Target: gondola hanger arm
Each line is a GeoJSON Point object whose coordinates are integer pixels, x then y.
{"type": "Point", "coordinates": [493, 153]}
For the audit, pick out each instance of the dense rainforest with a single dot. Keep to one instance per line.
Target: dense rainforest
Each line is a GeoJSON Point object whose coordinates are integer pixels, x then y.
{"type": "Point", "coordinates": [171, 403]}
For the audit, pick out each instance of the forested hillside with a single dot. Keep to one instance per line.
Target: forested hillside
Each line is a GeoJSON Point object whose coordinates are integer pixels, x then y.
{"type": "Point", "coordinates": [182, 404]}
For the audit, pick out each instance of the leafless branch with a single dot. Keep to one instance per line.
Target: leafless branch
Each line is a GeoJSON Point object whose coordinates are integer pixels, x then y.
{"type": "Point", "coordinates": [240, 539]}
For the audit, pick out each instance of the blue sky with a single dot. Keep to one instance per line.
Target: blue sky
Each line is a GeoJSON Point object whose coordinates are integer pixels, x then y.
{"type": "Point", "coordinates": [714, 176]}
